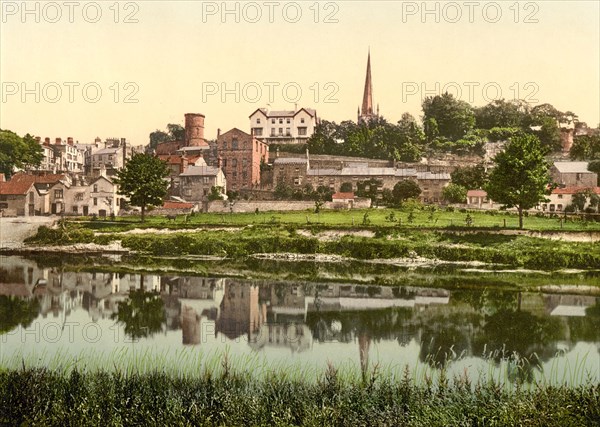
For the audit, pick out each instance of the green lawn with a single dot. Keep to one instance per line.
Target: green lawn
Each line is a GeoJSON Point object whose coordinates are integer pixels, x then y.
{"type": "Point", "coordinates": [440, 218]}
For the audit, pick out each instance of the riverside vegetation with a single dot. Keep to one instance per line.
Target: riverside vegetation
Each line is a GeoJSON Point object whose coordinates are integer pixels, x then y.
{"type": "Point", "coordinates": [46, 397]}
{"type": "Point", "coordinates": [387, 234]}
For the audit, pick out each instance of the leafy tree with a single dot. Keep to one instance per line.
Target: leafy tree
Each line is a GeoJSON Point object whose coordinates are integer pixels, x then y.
{"type": "Point", "coordinates": [174, 132]}
{"type": "Point", "coordinates": [469, 177]}
{"type": "Point", "coordinates": [520, 177]}
{"type": "Point", "coordinates": [143, 181]}
{"type": "Point", "coordinates": [405, 189]}
{"type": "Point", "coordinates": [453, 118]}
{"type": "Point", "coordinates": [283, 191]}
{"type": "Point", "coordinates": [216, 193]}
{"type": "Point", "coordinates": [454, 193]}
{"type": "Point", "coordinates": [323, 140]}
{"type": "Point", "coordinates": [503, 133]}
{"type": "Point", "coordinates": [579, 200]}
{"type": "Point", "coordinates": [17, 152]}
{"type": "Point", "coordinates": [346, 187]}
{"type": "Point", "coordinates": [585, 147]}
{"type": "Point", "coordinates": [594, 166]}
{"type": "Point", "coordinates": [501, 114]}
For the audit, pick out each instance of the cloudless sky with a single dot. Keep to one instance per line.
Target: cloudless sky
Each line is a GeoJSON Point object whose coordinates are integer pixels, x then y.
{"type": "Point", "coordinates": [180, 56]}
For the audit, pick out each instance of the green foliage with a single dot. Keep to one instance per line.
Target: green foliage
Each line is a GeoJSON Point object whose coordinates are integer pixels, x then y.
{"type": "Point", "coordinates": [502, 114]}
{"type": "Point", "coordinates": [406, 189]}
{"type": "Point", "coordinates": [216, 193]}
{"type": "Point", "coordinates": [15, 311]}
{"type": "Point", "coordinates": [520, 177]}
{"type": "Point", "coordinates": [346, 187]}
{"type": "Point", "coordinates": [174, 132]}
{"type": "Point", "coordinates": [447, 117]}
{"type": "Point", "coordinates": [454, 193]}
{"type": "Point", "coordinates": [469, 177]}
{"type": "Point", "coordinates": [142, 180]}
{"type": "Point", "coordinates": [143, 314]}
{"type": "Point", "coordinates": [17, 152]}
{"type": "Point", "coordinates": [586, 147]}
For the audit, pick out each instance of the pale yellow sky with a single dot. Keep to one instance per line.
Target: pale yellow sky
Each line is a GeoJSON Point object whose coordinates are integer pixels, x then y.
{"type": "Point", "coordinates": [186, 56]}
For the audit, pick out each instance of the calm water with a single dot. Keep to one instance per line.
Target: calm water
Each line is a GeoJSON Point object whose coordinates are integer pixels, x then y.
{"type": "Point", "coordinates": [49, 316]}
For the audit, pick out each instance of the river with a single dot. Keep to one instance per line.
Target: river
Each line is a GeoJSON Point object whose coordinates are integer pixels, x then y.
{"type": "Point", "coordinates": [56, 317]}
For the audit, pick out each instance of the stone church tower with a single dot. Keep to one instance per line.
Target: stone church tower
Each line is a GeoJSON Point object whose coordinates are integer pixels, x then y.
{"type": "Point", "coordinates": [366, 113]}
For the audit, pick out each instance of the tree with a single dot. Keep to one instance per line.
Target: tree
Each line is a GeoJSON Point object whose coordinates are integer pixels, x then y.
{"type": "Point", "coordinates": [216, 193]}
{"type": "Point", "coordinates": [174, 132]}
{"type": "Point", "coordinates": [453, 118]}
{"type": "Point", "coordinates": [469, 177]}
{"type": "Point", "coordinates": [585, 147]}
{"type": "Point", "coordinates": [594, 166]}
{"type": "Point", "coordinates": [143, 181]}
{"type": "Point", "coordinates": [405, 189]}
{"type": "Point", "coordinates": [454, 193]}
{"type": "Point", "coordinates": [346, 187]}
{"type": "Point", "coordinates": [17, 152]}
{"type": "Point", "coordinates": [501, 114]}
{"type": "Point", "coordinates": [520, 177]}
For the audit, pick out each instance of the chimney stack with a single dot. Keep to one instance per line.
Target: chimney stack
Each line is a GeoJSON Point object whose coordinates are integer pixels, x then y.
{"type": "Point", "coordinates": [58, 141]}
{"type": "Point", "coordinates": [38, 139]}
{"type": "Point", "coordinates": [70, 140]}
{"type": "Point", "coordinates": [184, 163]}
{"type": "Point", "coordinates": [47, 140]}
{"type": "Point", "coordinates": [218, 132]}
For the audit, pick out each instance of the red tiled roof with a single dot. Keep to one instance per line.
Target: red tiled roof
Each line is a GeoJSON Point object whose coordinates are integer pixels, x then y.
{"type": "Point", "coordinates": [20, 182]}
{"type": "Point", "coordinates": [476, 193]}
{"type": "Point", "coordinates": [177, 205]}
{"type": "Point", "coordinates": [343, 196]}
{"type": "Point", "coordinates": [574, 190]}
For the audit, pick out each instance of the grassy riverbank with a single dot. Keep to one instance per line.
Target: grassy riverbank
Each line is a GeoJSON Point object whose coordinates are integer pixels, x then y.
{"type": "Point", "coordinates": [45, 397]}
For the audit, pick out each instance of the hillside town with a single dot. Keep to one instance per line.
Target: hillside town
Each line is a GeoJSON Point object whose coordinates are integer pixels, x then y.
{"type": "Point", "coordinates": [280, 161]}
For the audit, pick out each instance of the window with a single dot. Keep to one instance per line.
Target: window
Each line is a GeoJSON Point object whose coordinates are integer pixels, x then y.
{"type": "Point", "coordinates": [95, 188]}
{"type": "Point", "coordinates": [302, 120]}
{"type": "Point", "coordinates": [205, 180]}
{"type": "Point", "coordinates": [187, 192]}
{"type": "Point", "coordinates": [74, 209]}
{"type": "Point", "coordinates": [58, 194]}
{"type": "Point", "coordinates": [280, 131]}
{"type": "Point", "coordinates": [287, 131]}
{"type": "Point", "coordinates": [205, 191]}
{"type": "Point", "coordinates": [287, 121]}
{"type": "Point", "coordinates": [258, 131]}
{"type": "Point", "coordinates": [302, 131]}
{"type": "Point", "coordinates": [272, 131]}
{"type": "Point", "coordinates": [560, 196]}
{"type": "Point", "coordinates": [95, 201]}
{"type": "Point", "coordinates": [258, 121]}
{"type": "Point", "coordinates": [31, 197]}
{"type": "Point", "coordinates": [273, 121]}
{"type": "Point", "coordinates": [244, 163]}
{"type": "Point", "coordinates": [256, 143]}
{"type": "Point", "coordinates": [79, 197]}
{"type": "Point", "coordinates": [559, 207]}
{"type": "Point", "coordinates": [280, 121]}
{"type": "Point", "coordinates": [224, 163]}
{"type": "Point", "coordinates": [234, 144]}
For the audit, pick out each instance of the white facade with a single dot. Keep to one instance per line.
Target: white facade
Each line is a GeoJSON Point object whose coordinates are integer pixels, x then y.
{"type": "Point", "coordinates": [284, 127]}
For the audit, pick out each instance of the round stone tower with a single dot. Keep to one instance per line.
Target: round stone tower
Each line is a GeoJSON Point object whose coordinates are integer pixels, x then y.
{"type": "Point", "coordinates": [194, 130]}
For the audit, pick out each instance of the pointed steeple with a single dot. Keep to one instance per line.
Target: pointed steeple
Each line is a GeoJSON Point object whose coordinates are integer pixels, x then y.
{"type": "Point", "coordinates": [367, 112]}
{"type": "Point", "coordinates": [367, 104]}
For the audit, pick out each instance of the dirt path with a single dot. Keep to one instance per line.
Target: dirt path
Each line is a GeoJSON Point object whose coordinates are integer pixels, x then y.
{"type": "Point", "coordinates": [14, 230]}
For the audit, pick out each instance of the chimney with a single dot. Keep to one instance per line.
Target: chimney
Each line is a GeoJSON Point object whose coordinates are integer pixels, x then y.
{"type": "Point", "coordinates": [38, 139]}
{"type": "Point", "coordinates": [70, 140]}
{"type": "Point", "coordinates": [124, 151]}
{"type": "Point", "coordinates": [58, 141]}
{"type": "Point", "coordinates": [47, 140]}
{"type": "Point", "coordinates": [184, 163]}
{"type": "Point", "coordinates": [218, 133]}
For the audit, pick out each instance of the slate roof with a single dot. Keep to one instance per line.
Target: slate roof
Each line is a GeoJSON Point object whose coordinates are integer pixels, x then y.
{"type": "Point", "coordinates": [289, 161]}
{"type": "Point", "coordinates": [201, 171]}
{"type": "Point", "coordinates": [20, 183]}
{"type": "Point", "coordinates": [572, 167]}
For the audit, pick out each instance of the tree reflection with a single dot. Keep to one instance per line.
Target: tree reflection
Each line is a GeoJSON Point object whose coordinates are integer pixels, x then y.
{"type": "Point", "coordinates": [15, 311]}
{"type": "Point", "coordinates": [142, 314]}
{"type": "Point", "coordinates": [586, 328]}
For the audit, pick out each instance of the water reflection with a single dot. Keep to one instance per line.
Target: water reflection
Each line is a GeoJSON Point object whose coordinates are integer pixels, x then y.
{"type": "Point", "coordinates": [298, 318]}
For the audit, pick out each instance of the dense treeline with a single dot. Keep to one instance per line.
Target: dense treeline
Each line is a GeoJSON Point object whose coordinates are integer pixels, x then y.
{"type": "Point", "coordinates": [454, 126]}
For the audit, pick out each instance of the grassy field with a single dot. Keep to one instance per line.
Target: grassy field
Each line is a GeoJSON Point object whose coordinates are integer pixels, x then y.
{"type": "Point", "coordinates": [417, 217]}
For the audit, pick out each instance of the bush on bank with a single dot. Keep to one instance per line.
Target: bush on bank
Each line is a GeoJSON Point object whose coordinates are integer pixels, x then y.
{"type": "Point", "coordinates": [44, 397]}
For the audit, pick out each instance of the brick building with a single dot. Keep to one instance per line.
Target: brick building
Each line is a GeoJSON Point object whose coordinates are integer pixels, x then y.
{"type": "Point", "coordinates": [240, 156]}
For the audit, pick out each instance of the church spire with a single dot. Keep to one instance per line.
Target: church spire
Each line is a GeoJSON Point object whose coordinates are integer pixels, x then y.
{"type": "Point", "coordinates": [367, 104]}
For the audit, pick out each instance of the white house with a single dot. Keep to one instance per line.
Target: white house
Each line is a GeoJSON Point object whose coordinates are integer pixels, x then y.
{"type": "Point", "coordinates": [284, 127]}
{"type": "Point", "coordinates": [560, 198]}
